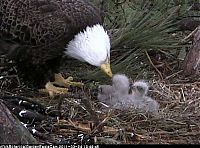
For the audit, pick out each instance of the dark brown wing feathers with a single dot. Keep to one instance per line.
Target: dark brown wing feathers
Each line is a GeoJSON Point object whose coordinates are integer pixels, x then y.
{"type": "Point", "coordinates": [45, 23]}
{"type": "Point", "coordinates": [34, 33]}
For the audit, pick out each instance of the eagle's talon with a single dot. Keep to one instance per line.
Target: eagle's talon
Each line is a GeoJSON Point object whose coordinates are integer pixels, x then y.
{"type": "Point", "coordinates": [60, 81]}
{"type": "Point", "coordinates": [53, 90]}
{"type": "Point", "coordinates": [78, 84]}
{"type": "Point", "coordinates": [69, 79]}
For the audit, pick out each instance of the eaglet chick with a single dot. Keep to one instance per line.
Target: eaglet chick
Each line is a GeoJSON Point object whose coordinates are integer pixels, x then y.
{"type": "Point", "coordinates": [124, 95]}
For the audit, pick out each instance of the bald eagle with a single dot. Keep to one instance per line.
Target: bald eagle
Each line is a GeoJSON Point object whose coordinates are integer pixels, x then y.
{"type": "Point", "coordinates": [36, 34]}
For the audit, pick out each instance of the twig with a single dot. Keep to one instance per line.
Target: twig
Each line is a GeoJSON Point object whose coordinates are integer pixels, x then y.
{"type": "Point", "coordinates": [100, 125]}
{"type": "Point", "coordinates": [183, 94]}
{"type": "Point", "coordinates": [174, 74]}
{"type": "Point", "coordinates": [190, 35]}
{"type": "Point", "coordinates": [11, 76]}
{"type": "Point", "coordinates": [182, 84]}
{"type": "Point", "coordinates": [153, 65]}
{"type": "Point", "coordinates": [88, 106]}
{"type": "Point", "coordinates": [176, 122]}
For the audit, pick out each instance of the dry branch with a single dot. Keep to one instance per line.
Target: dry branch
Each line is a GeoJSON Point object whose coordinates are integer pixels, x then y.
{"type": "Point", "coordinates": [12, 131]}
{"type": "Point", "coordinates": [191, 64]}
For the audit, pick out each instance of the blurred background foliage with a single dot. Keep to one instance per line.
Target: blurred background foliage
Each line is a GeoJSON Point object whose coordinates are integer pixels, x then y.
{"type": "Point", "coordinates": [140, 28]}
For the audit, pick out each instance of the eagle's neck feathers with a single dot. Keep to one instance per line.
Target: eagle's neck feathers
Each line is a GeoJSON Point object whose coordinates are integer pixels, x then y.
{"type": "Point", "coordinates": [92, 46]}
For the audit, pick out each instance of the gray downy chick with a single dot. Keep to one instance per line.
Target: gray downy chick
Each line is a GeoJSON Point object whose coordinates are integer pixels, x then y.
{"type": "Point", "coordinates": [119, 95]}
{"type": "Point", "coordinates": [110, 94]}
{"type": "Point", "coordinates": [140, 99]}
{"type": "Point", "coordinates": [105, 94]}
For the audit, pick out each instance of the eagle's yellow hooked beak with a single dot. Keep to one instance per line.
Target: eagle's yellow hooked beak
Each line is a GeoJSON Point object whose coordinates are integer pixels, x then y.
{"type": "Point", "coordinates": [106, 69]}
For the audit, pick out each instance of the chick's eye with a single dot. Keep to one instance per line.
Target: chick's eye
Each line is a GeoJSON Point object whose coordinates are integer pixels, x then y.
{"type": "Point", "coordinates": [131, 87]}
{"type": "Point", "coordinates": [100, 89]}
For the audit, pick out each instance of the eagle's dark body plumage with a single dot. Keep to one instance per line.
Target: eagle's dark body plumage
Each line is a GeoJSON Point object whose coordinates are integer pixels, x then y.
{"type": "Point", "coordinates": [34, 33]}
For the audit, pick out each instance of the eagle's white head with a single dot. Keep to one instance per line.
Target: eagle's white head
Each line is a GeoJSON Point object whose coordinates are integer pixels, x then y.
{"type": "Point", "coordinates": [92, 46]}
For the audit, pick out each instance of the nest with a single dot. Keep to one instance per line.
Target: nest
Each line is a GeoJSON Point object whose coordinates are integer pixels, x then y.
{"type": "Point", "coordinates": [78, 117]}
